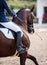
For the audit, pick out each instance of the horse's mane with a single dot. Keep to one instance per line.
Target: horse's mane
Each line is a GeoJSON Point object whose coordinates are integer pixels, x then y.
{"type": "Point", "coordinates": [21, 10]}
{"type": "Point", "coordinates": [20, 14]}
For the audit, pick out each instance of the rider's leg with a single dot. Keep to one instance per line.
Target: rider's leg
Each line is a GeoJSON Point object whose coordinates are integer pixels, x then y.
{"type": "Point", "coordinates": [19, 43]}
{"type": "Point", "coordinates": [19, 32]}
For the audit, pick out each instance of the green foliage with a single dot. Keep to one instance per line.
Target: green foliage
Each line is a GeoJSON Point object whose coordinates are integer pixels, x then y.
{"type": "Point", "coordinates": [27, 0]}
{"type": "Point", "coordinates": [20, 4]}
{"type": "Point", "coordinates": [17, 4]}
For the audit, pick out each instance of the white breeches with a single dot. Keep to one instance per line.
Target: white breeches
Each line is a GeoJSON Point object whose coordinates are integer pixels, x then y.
{"type": "Point", "coordinates": [12, 26]}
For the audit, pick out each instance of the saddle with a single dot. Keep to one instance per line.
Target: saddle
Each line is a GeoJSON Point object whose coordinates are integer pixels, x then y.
{"type": "Point", "coordinates": [7, 32]}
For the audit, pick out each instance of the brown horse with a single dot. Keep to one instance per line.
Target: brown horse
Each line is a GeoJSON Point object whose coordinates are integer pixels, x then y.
{"type": "Point", "coordinates": [8, 46]}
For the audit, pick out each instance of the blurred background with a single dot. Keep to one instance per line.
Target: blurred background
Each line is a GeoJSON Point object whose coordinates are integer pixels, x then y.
{"type": "Point", "coordinates": [18, 4]}
{"type": "Point", "coordinates": [40, 10]}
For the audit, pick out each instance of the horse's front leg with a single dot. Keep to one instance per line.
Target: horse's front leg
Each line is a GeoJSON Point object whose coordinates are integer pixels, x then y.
{"type": "Point", "coordinates": [23, 57]}
{"type": "Point", "coordinates": [32, 58]}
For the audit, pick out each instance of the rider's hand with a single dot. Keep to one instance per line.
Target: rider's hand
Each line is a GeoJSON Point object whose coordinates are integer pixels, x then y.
{"type": "Point", "coordinates": [15, 16]}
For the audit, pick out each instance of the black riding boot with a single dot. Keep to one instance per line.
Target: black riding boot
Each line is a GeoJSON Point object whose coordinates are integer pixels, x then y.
{"type": "Point", "coordinates": [19, 43]}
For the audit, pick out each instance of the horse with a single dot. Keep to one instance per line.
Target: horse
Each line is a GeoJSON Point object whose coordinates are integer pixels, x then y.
{"type": "Point", "coordinates": [8, 46]}
{"type": "Point", "coordinates": [26, 19]}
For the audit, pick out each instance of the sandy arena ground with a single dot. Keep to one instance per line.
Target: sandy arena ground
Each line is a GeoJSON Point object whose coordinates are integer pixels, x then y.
{"type": "Point", "coordinates": [38, 48]}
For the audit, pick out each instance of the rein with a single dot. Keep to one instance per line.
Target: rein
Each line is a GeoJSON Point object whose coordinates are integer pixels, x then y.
{"type": "Point", "coordinates": [21, 20]}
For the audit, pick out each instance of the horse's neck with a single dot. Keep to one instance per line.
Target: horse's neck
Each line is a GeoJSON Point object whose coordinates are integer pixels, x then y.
{"type": "Point", "coordinates": [24, 28]}
{"type": "Point", "coordinates": [21, 24]}
{"type": "Point", "coordinates": [23, 17]}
